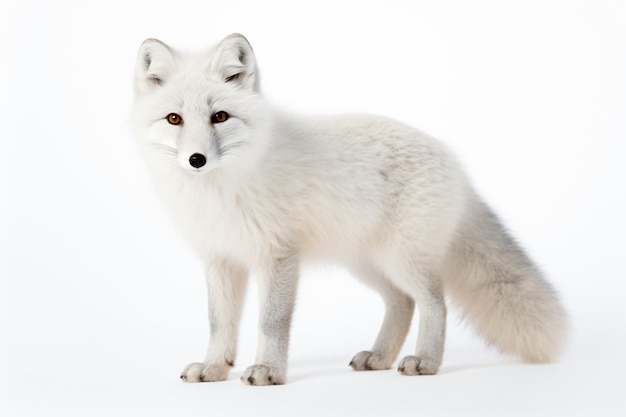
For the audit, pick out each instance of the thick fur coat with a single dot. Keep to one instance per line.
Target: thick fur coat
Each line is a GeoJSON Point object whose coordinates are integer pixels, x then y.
{"type": "Point", "coordinates": [255, 190]}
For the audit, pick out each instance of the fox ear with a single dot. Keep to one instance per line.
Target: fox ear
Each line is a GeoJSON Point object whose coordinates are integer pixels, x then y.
{"type": "Point", "coordinates": [155, 64]}
{"type": "Point", "coordinates": [234, 61]}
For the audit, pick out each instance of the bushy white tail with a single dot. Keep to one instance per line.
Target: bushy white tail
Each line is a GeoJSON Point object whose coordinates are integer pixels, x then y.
{"type": "Point", "coordinates": [501, 292]}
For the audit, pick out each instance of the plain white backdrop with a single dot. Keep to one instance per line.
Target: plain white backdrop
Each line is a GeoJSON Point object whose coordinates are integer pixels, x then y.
{"type": "Point", "coordinates": [101, 303]}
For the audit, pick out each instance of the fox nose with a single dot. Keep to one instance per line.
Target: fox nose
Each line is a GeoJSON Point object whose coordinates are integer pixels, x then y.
{"type": "Point", "coordinates": [197, 160]}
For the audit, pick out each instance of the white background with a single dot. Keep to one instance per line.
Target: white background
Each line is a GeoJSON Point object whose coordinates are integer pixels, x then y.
{"type": "Point", "coordinates": [102, 305]}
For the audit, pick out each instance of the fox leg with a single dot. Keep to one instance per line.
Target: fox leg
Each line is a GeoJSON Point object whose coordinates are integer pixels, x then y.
{"type": "Point", "coordinates": [428, 294]}
{"type": "Point", "coordinates": [277, 293]}
{"type": "Point", "coordinates": [399, 308]}
{"type": "Point", "coordinates": [226, 285]}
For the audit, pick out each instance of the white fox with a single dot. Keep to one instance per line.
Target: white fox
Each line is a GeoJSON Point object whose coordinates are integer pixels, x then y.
{"type": "Point", "coordinates": [255, 190]}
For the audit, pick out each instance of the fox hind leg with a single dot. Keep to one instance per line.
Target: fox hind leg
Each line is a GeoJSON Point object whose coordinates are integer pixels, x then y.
{"type": "Point", "coordinates": [399, 308]}
{"type": "Point", "coordinates": [428, 294]}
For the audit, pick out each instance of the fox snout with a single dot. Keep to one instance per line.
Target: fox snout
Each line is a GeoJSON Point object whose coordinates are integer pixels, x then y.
{"type": "Point", "coordinates": [197, 160]}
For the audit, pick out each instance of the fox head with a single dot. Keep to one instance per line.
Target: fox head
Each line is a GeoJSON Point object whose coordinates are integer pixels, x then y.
{"type": "Point", "coordinates": [199, 112]}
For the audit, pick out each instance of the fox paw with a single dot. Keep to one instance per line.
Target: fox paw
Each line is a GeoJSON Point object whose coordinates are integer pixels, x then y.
{"type": "Point", "coordinates": [414, 365]}
{"type": "Point", "coordinates": [369, 361]}
{"type": "Point", "coordinates": [262, 375]}
{"type": "Point", "coordinates": [204, 372]}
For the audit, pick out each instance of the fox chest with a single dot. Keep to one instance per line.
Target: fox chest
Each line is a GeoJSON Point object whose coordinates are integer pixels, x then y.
{"type": "Point", "coordinates": [227, 227]}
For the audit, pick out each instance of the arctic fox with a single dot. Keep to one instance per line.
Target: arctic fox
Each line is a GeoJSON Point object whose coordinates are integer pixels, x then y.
{"type": "Point", "coordinates": [256, 190]}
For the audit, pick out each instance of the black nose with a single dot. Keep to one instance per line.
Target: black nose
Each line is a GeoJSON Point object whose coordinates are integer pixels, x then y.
{"type": "Point", "coordinates": [197, 160]}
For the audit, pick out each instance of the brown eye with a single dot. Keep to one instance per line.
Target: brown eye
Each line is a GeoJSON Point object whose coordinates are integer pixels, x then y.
{"type": "Point", "coordinates": [174, 119]}
{"type": "Point", "coordinates": [219, 117]}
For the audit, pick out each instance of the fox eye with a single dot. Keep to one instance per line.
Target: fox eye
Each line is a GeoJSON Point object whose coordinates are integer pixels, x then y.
{"type": "Point", "coordinates": [232, 78]}
{"type": "Point", "coordinates": [174, 119]}
{"type": "Point", "coordinates": [219, 117]}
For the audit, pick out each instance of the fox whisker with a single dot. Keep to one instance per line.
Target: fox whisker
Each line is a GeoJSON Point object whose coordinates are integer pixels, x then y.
{"type": "Point", "coordinates": [229, 148]}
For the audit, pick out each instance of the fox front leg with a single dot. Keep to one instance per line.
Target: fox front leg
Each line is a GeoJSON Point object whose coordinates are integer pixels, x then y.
{"type": "Point", "coordinates": [277, 293]}
{"type": "Point", "coordinates": [226, 285]}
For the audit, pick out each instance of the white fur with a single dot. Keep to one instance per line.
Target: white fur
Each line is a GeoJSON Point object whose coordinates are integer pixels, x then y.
{"type": "Point", "coordinates": [389, 201]}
